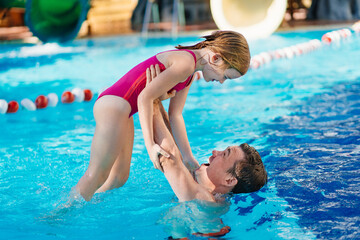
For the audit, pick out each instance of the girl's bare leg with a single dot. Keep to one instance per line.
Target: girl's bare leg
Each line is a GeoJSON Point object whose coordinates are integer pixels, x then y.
{"type": "Point", "coordinates": [120, 170]}
{"type": "Point", "coordinates": [112, 122]}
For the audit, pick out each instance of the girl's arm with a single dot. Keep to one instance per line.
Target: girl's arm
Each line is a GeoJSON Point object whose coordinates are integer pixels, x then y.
{"type": "Point", "coordinates": [177, 72]}
{"type": "Point", "coordinates": [178, 176]}
{"type": "Point", "coordinates": [179, 130]}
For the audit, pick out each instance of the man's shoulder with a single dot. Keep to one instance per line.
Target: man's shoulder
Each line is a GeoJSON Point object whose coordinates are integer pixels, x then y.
{"type": "Point", "coordinates": [204, 194]}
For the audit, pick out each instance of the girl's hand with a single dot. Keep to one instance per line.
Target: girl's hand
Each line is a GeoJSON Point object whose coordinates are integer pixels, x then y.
{"type": "Point", "coordinates": [152, 73]}
{"type": "Point", "coordinates": [155, 153]}
{"type": "Point", "coordinates": [191, 164]}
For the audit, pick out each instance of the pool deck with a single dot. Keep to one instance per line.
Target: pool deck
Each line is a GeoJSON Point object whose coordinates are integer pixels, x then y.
{"type": "Point", "coordinates": [22, 34]}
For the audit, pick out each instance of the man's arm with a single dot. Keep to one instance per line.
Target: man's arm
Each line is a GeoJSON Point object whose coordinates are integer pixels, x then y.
{"type": "Point", "coordinates": [178, 176]}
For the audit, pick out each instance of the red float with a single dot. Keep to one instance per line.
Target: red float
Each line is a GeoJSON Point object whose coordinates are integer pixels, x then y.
{"type": "Point", "coordinates": [67, 97]}
{"type": "Point", "coordinates": [326, 38]}
{"type": "Point", "coordinates": [13, 106]}
{"type": "Point", "coordinates": [41, 102]}
{"type": "Point", "coordinates": [88, 95]}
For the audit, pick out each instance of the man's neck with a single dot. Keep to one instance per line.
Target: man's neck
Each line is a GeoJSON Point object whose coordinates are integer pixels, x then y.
{"type": "Point", "coordinates": [204, 182]}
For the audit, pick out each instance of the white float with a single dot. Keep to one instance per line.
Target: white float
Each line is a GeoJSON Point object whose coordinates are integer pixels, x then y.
{"type": "Point", "coordinates": [3, 106]}
{"type": "Point", "coordinates": [253, 18]}
{"type": "Point", "coordinates": [28, 104]}
{"type": "Point", "coordinates": [53, 99]}
{"type": "Point", "coordinates": [79, 94]}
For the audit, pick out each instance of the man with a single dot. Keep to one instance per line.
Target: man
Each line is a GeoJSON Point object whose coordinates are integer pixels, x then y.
{"type": "Point", "coordinates": [237, 169]}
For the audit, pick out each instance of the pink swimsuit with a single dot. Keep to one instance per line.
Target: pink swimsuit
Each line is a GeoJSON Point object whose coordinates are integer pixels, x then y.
{"type": "Point", "coordinates": [132, 83]}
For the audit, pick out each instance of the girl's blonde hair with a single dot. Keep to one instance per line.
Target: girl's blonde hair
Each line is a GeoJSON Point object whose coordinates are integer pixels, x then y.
{"type": "Point", "coordinates": [231, 46]}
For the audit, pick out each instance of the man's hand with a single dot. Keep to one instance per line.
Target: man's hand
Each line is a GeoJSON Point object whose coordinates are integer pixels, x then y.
{"type": "Point", "coordinates": [151, 73]}
{"type": "Point", "coordinates": [155, 153]}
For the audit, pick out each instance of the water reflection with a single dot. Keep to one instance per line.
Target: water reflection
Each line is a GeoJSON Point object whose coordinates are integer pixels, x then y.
{"type": "Point", "coordinates": [195, 217]}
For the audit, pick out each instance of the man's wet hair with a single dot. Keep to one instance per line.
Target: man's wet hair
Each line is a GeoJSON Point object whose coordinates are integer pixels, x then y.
{"type": "Point", "coordinates": [249, 171]}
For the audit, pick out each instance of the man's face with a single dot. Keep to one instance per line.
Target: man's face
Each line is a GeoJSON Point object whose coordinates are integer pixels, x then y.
{"type": "Point", "coordinates": [220, 162]}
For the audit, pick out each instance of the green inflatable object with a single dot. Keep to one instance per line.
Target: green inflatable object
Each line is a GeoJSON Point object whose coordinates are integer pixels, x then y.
{"type": "Point", "coordinates": [12, 3]}
{"type": "Point", "coordinates": [55, 20]}
{"type": "Point", "coordinates": [52, 20]}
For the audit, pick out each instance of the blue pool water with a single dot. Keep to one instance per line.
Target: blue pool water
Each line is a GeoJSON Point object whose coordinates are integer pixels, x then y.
{"type": "Point", "coordinates": [301, 114]}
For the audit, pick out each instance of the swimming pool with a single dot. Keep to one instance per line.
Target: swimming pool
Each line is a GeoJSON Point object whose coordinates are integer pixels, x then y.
{"type": "Point", "coordinates": [301, 114]}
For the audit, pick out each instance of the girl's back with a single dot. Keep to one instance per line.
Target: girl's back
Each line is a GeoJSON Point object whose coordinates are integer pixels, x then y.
{"type": "Point", "coordinates": [132, 83]}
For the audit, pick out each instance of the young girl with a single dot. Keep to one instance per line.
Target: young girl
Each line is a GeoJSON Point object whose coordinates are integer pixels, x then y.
{"type": "Point", "coordinates": [222, 55]}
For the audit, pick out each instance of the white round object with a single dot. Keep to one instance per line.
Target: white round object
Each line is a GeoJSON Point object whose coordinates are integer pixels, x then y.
{"type": "Point", "coordinates": [288, 53]}
{"type": "Point", "coordinates": [254, 19]}
{"type": "Point", "coordinates": [280, 53]}
{"type": "Point", "coordinates": [266, 57]}
{"type": "Point", "coordinates": [53, 99]}
{"type": "Point", "coordinates": [347, 32]}
{"type": "Point", "coordinates": [295, 50]}
{"type": "Point", "coordinates": [28, 104]}
{"type": "Point", "coordinates": [316, 43]}
{"type": "Point", "coordinates": [254, 63]}
{"type": "Point", "coordinates": [336, 35]}
{"type": "Point", "coordinates": [79, 94]}
{"type": "Point", "coordinates": [198, 75]}
{"type": "Point", "coordinates": [3, 106]}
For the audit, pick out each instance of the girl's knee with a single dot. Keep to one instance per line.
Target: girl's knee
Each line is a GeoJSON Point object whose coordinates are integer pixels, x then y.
{"type": "Point", "coordinates": [115, 182]}
{"type": "Point", "coordinates": [121, 179]}
{"type": "Point", "coordinates": [96, 177]}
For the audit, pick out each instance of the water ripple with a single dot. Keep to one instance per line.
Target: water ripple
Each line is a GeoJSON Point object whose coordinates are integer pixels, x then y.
{"type": "Point", "coordinates": [316, 161]}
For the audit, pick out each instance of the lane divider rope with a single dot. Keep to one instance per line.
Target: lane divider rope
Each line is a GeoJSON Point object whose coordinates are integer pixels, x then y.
{"type": "Point", "coordinates": [263, 58]}
{"type": "Point", "coordinates": [50, 100]}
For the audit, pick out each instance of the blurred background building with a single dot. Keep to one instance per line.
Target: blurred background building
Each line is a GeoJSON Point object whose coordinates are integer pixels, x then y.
{"type": "Point", "coordinates": [105, 17]}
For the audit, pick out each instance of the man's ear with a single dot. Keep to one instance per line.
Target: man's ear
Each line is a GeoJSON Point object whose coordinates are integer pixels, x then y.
{"type": "Point", "coordinates": [231, 181]}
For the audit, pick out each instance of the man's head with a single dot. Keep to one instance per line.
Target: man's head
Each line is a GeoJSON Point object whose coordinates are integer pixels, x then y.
{"type": "Point", "coordinates": [237, 169]}
{"type": "Point", "coordinates": [249, 171]}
